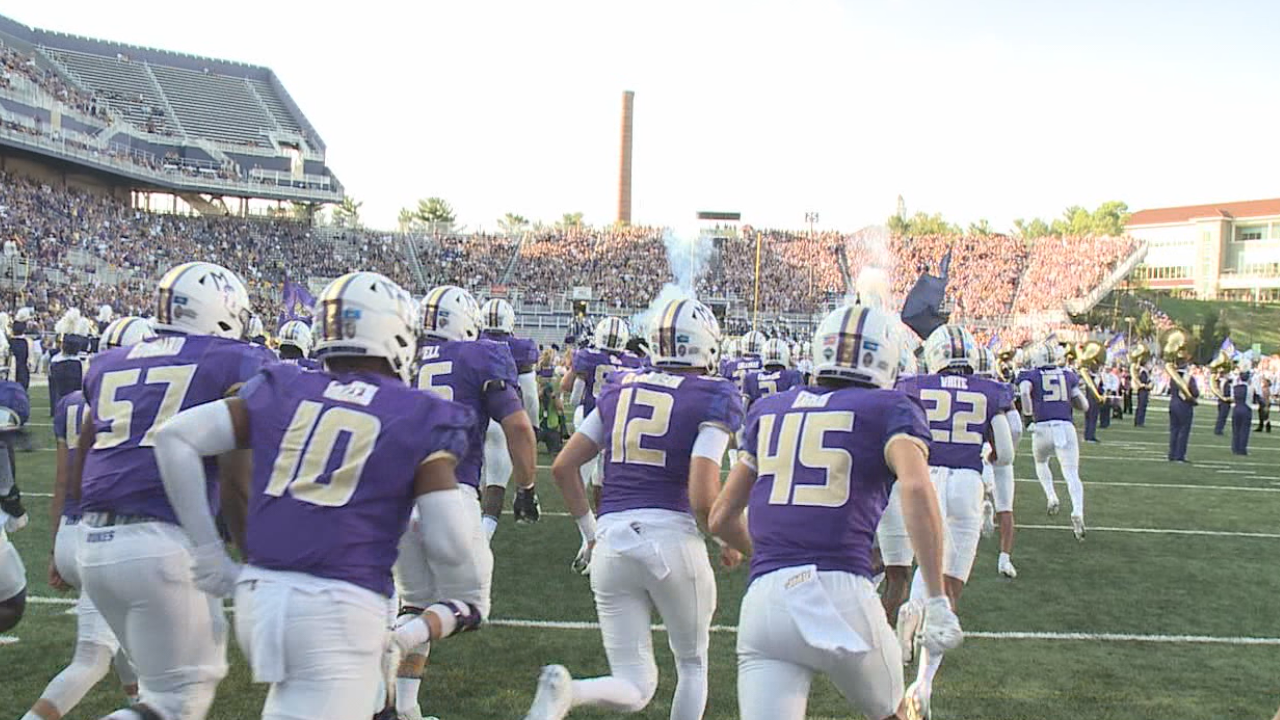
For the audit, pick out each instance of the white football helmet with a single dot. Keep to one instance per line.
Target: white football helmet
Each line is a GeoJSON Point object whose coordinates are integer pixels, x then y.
{"type": "Point", "coordinates": [857, 343]}
{"type": "Point", "coordinates": [256, 328]}
{"type": "Point", "coordinates": [729, 348]}
{"type": "Point", "coordinates": [200, 298]}
{"type": "Point", "coordinates": [753, 344]}
{"type": "Point", "coordinates": [986, 362]}
{"type": "Point", "coordinates": [776, 352]}
{"type": "Point", "coordinates": [685, 334]}
{"type": "Point", "coordinates": [125, 332]}
{"type": "Point", "coordinates": [498, 316]}
{"type": "Point", "coordinates": [297, 334]}
{"type": "Point", "coordinates": [949, 347]}
{"type": "Point", "coordinates": [611, 334]}
{"type": "Point", "coordinates": [1042, 355]}
{"type": "Point", "coordinates": [364, 314]}
{"type": "Point", "coordinates": [450, 313]}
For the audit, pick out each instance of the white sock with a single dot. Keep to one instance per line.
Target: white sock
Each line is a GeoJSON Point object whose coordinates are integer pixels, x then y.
{"type": "Point", "coordinates": [733, 457]}
{"type": "Point", "coordinates": [1076, 489]}
{"type": "Point", "coordinates": [1004, 558]}
{"type": "Point", "coordinates": [919, 591]}
{"type": "Point", "coordinates": [928, 670]}
{"type": "Point", "coordinates": [31, 716]}
{"type": "Point", "coordinates": [490, 526]}
{"type": "Point", "coordinates": [1045, 476]}
{"type": "Point", "coordinates": [612, 693]}
{"type": "Point", "coordinates": [407, 694]}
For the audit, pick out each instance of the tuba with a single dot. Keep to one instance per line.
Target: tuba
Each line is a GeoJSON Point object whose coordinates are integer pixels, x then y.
{"type": "Point", "coordinates": [1138, 358]}
{"type": "Point", "coordinates": [1175, 351]}
{"type": "Point", "coordinates": [1090, 356]}
{"type": "Point", "coordinates": [1219, 366]}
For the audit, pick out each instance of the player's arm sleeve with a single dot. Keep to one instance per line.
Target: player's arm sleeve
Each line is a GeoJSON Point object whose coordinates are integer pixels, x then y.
{"type": "Point", "coordinates": [1015, 425]}
{"type": "Point", "coordinates": [181, 442]}
{"type": "Point", "coordinates": [1024, 391]}
{"type": "Point", "coordinates": [905, 422]}
{"type": "Point", "coordinates": [711, 443]}
{"type": "Point", "coordinates": [529, 393]}
{"type": "Point", "coordinates": [1002, 440]}
{"type": "Point", "coordinates": [579, 387]}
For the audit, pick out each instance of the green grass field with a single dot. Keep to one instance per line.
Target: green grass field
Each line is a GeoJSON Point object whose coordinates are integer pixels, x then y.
{"type": "Point", "coordinates": [1167, 611]}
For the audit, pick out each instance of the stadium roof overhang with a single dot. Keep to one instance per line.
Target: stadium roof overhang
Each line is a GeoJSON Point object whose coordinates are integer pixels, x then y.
{"type": "Point", "coordinates": [141, 179]}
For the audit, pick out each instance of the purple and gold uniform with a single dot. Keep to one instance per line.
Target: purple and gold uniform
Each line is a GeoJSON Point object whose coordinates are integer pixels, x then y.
{"type": "Point", "coordinates": [1051, 391]}
{"type": "Point", "coordinates": [132, 391]}
{"type": "Point", "coordinates": [67, 419]}
{"type": "Point", "coordinates": [822, 478]}
{"type": "Point", "coordinates": [738, 368]}
{"type": "Point", "coordinates": [480, 375]}
{"type": "Point", "coordinates": [523, 350]}
{"type": "Point", "coordinates": [762, 383]}
{"type": "Point", "coordinates": [960, 409]}
{"type": "Point", "coordinates": [653, 471]}
{"type": "Point", "coordinates": [594, 367]}
{"type": "Point", "coordinates": [340, 451]}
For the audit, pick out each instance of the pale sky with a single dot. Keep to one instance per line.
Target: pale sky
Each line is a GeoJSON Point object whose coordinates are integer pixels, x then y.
{"type": "Point", "coordinates": [977, 109]}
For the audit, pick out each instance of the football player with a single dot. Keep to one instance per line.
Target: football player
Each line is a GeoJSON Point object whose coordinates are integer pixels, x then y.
{"type": "Point", "coordinates": [777, 375]}
{"type": "Point", "coordinates": [815, 470]}
{"type": "Point", "coordinates": [752, 347]}
{"type": "Point", "coordinates": [999, 478]}
{"type": "Point", "coordinates": [584, 383]}
{"type": "Point", "coordinates": [663, 434]}
{"type": "Point", "coordinates": [1049, 394]}
{"type": "Point", "coordinates": [963, 412]}
{"type": "Point", "coordinates": [481, 375]}
{"type": "Point", "coordinates": [352, 449]}
{"type": "Point", "coordinates": [295, 345]}
{"type": "Point", "coordinates": [135, 562]}
{"type": "Point", "coordinates": [96, 645]}
{"type": "Point", "coordinates": [15, 410]}
{"type": "Point", "coordinates": [498, 323]}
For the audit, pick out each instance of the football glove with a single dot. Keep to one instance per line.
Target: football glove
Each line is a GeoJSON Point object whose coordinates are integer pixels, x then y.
{"type": "Point", "coordinates": [215, 572]}
{"type": "Point", "coordinates": [582, 562]}
{"type": "Point", "coordinates": [525, 507]}
{"type": "Point", "coordinates": [11, 505]}
{"type": "Point", "coordinates": [941, 626]}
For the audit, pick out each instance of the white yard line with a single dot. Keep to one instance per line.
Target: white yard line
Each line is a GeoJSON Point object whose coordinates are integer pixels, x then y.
{"type": "Point", "coordinates": [1095, 637]}
{"type": "Point", "coordinates": [1157, 531]}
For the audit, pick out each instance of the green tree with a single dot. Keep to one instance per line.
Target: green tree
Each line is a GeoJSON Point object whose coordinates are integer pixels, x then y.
{"type": "Point", "coordinates": [513, 224]}
{"type": "Point", "coordinates": [436, 211]}
{"type": "Point", "coordinates": [409, 221]}
{"type": "Point", "coordinates": [898, 225]}
{"type": "Point", "coordinates": [1145, 326]}
{"type": "Point", "coordinates": [1110, 218]}
{"type": "Point", "coordinates": [981, 227]}
{"type": "Point", "coordinates": [921, 223]}
{"type": "Point", "coordinates": [347, 214]}
{"type": "Point", "coordinates": [570, 220]}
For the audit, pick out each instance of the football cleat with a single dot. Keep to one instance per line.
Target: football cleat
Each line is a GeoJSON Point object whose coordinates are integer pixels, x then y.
{"type": "Point", "coordinates": [917, 701]}
{"type": "Point", "coordinates": [1077, 527]}
{"type": "Point", "coordinates": [11, 505]}
{"type": "Point", "coordinates": [554, 696]}
{"type": "Point", "coordinates": [910, 625]}
{"type": "Point", "coordinates": [1054, 506]}
{"type": "Point", "coordinates": [1005, 567]}
{"type": "Point", "coordinates": [526, 507]}
{"type": "Point", "coordinates": [988, 518]}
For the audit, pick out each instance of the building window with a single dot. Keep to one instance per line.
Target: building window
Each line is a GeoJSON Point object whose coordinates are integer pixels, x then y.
{"type": "Point", "coordinates": [1251, 232]}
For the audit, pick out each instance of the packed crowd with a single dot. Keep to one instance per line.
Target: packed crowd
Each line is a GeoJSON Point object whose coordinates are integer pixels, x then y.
{"type": "Point", "coordinates": [17, 63]}
{"type": "Point", "coordinates": [58, 230]}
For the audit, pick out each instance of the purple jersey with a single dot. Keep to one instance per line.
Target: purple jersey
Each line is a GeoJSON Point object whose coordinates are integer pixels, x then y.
{"type": "Point", "coordinates": [334, 460]}
{"type": "Point", "coordinates": [523, 351]}
{"type": "Point", "coordinates": [1051, 391]}
{"type": "Point", "coordinates": [822, 481]}
{"type": "Point", "coordinates": [760, 383]}
{"type": "Point", "coordinates": [737, 370]}
{"type": "Point", "coordinates": [131, 392]}
{"type": "Point", "coordinates": [480, 375]}
{"type": "Point", "coordinates": [959, 409]}
{"type": "Point", "coordinates": [593, 367]}
{"type": "Point", "coordinates": [651, 420]}
{"type": "Point", "coordinates": [67, 419]}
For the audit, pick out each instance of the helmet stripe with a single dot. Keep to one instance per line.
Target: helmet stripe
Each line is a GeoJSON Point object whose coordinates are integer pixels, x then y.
{"type": "Point", "coordinates": [117, 337]}
{"type": "Point", "coordinates": [668, 334]}
{"type": "Point", "coordinates": [164, 293]}
{"type": "Point", "coordinates": [432, 306]}
{"type": "Point", "coordinates": [851, 336]}
{"type": "Point", "coordinates": [331, 301]}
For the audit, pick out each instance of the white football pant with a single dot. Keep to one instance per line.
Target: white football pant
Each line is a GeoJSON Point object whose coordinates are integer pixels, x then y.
{"type": "Point", "coordinates": [317, 641]}
{"type": "Point", "coordinates": [960, 499]}
{"type": "Point", "coordinates": [780, 650]}
{"type": "Point", "coordinates": [140, 579]}
{"type": "Point", "coordinates": [95, 643]}
{"type": "Point", "coordinates": [418, 586]}
{"type": "Point", "coordinates": [497, 459]}
{"type": "Point", "coordinates": [13, 575]}
{"type": "Point", "coordinates": [1058, 437]}
{"type": "Point", "coordinates": [645, 559]}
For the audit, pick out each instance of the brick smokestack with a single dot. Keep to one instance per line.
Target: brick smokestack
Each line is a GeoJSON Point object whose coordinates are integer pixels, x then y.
{"type": "Point", "coordinates": [624, 169]}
